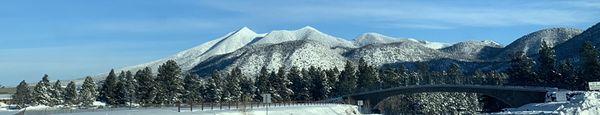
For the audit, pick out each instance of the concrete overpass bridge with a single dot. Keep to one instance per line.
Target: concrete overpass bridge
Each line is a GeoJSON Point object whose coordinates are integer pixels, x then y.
{"type": "Point", "coordinates": [513, 96]}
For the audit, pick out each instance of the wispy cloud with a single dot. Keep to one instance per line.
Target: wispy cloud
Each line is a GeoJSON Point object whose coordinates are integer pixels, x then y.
{"type": "Point", "coordinates": [458, 14]}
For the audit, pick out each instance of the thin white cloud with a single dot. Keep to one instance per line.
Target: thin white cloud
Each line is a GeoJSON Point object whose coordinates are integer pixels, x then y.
{"type": "Point", "coordinates": [380, 13]}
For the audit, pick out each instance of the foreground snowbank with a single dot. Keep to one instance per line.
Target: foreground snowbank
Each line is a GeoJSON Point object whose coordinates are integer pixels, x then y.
{"type": "Point", "coordinates": [588, 104]}
{"type": "Point", "coordinates": [327, 109]}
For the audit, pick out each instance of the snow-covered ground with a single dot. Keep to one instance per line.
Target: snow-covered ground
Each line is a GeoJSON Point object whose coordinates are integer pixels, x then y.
{"type": "Point", "coordinates": [586, 104]}
{"type": "Point", "coordinates": [323, 109]}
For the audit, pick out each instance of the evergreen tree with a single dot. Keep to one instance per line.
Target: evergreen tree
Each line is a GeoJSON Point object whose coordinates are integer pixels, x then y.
{"type": "Point", "coordinates": [389, 78]}
{"type": "Point", "coordinates": [121, 91]}
{"type": "Point", "coordinates": [71, 94]}
{"type": "Point", "coordinates": [299, 85]}
{"type": "Point", "coordinates": [56, 94]}
{"type": "Point", "coordinates": [42, 92]}
{"type": "Point", "coordinates": [571, 80]}
{"type": "Point", "coordinates": [403, 76]}
{"type": "Point", "coordinates": [88, 92]}
{"type": "Point", "coordinates": [247, 87]}
{"type": "Point", "coordinates": [22, 98]}
{"type": "Point", "coordinates": [423, 76]}
{"type": "Point", "coordinates": [455, 74]}
{"type": "Point", "coordinates": [233, 90]}
{"type": "Point", "coordinates": [549, 75]}
{"type": "Point", "coordinates": [332, 77]}
{"type": "Point", "coordinates": [478, 77]}
{"type": "Point", "coordinates": [320, 89]}
{"type": "Point", "coordinates": [146, 90]}
{"type": "Point", "coordinates": [108, 92]}
{"type": "Point", "coordinates": [347, 80]}
{"type": "Point", "coordinates": [367, 76]}
{"type": "Point", "coordinates": [281, 84]}
{"type": "Point", "coordinates": [192, 89]}
{"type": "Point", "coordinates": [591, 63]}
{"type": "Point", "coordinates": [170, 83]}
{"type": "Point", "coordinates": [214, 89]}
{"type": "Point", "coordinates": [521, 70]}
{"type": "Point", "coordinates": [262, 83]}
{"type": "Point", "coordinates": [271, 87]}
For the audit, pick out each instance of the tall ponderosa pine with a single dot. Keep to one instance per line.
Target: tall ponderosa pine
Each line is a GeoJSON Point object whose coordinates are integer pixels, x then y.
{"type": "Point", "coordinates": [281, 84]}
{"type": "Point", "coordinates": [571, 79]}
{"type": "Point", "coordinates": [590, 62]}
{"type": "Point", "coordinates": [262, 83]}
{"type": "Point", "coordinates": [347, 80]}
{"type": "Point", "coordinates": [389, 78]}
{"type": "Point", "coordinates": [455, 74]}
{"type": "Point", "coordinates": [22, 98]}
{"type": "Point", "coordinates": [367, 76]}
{"type": "Point", "coordinates": [88, 92]}
{"type": "Point", "coordinates": [423, 75]}
{"type": "Point", "coordinates": [549, 75]}
{"type": "Point", "coordinates": [332, 76]}
{"type": "Point", "coordinates": [521, 70]}
{"type": "Point", "coordinates": [42, 92]}
{"type": "Point", "coordinates": [121, 90]}
{"type": "Point", "coordinates": [214, 88]}
{"type": "Point", "coordinates": [247, 86]}
{"type": "Point", "coordinates": [192, 89]}
{"type": "Point", "coordinates": [108, 90]}
{"type": "Point", "coordinates": [131, 87]}
{"type": "Point", "coordinates": [71, 94]}
{"type": "Point", "coordinates": [233, 91]}
{"type": "Point", "coordinates": [146, 90]}
{"type": "Point", "coordinates": [56, 93]}
{"type": "Point", "coordinates": [299, 85]}
{"type": "Point", "coordinates": [320, 89]}
{"type": "Point", "coordinates": [170, 83]}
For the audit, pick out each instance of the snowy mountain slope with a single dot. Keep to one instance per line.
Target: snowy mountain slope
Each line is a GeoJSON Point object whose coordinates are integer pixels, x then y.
{"type": "Point", "coordinates": [408, 51]}
{"type": "Point", "coordinates": [531, 43]}
{"type": "Point", "coordinates": [191, 57]}
{"type": "Point", "coordinates": [572, 47]}
{"type": "Point", "coordinates": [300, 53]}
{"type": "Point", "coordinates": [375, 38]}
{"type": "Point", "coordinates": [473, 49]}
{"type": "Point", "coordinates": [306, 33]}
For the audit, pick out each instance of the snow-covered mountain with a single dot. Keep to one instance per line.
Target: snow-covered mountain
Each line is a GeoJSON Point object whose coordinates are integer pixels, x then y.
{"type": "Point", "coordinates": [473, 49]}
{"type": "Point", "coordinates": [572, 48]}
{"type": "Point", "coordinates": [306, 33]}
{"type": "Point", "coordinates": [375, 38]}
{"type": "Point", "coordinates": [530, 44]}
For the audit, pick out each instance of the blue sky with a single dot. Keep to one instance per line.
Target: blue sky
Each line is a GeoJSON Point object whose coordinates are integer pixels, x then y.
{"type": "Point", "coordinates": [74, 38]}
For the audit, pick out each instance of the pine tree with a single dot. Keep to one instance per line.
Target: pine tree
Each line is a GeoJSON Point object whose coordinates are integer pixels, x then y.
{"type": "Point", "coordinates": [320, 89]}
{"type": "Point", "coordinates": [571, 80]}
{"type": "Point", "coordinates": [22, 98]}
{"type": "Point", "coordinates": [121, 91]}
{"type": "Point", "coordinates": [455, 74]}
{"type": "Point", "coordinates": [56, 94]}
{"type": "Point", "coordinates": [403, 76]}
{"type": "Point", "coordinates": [590, 62]}
{"type": "Point", "coordinates": [171, 85]}
{"type": "Point", "coordinates": [262, 83]}
{"type": "Point", "coordinates": [192, 89]}
{"type": "Point", "coordinates": [299, 85]}
{"type": "Point", "coordinates": [146, 90]}
{"type": "Point", "coordinates": [521, 70]}
{"type": "Point", "coordinates": [88, 92]}
{"type": "Point", "coordinates": [367, 76]}
{"type": "Point", "coordinates": [71, 94]}
{"type": "Point", "coordinates": [130, 86]}
{"type": "Point", "coordinates": [478, 77]}
{"type": "Point", "coordinates": [108, 92]}
{"type": "Point", "coordinates": [332, 77]}
{"type": "Point", "coordinates": [214, 89]}
{"type": "Point", "coordinates": [247, 86]}
{"type": "Point", "coordinates": [347, 80]}
{"type": "Point", "coordinates": [423, 74]}
{"type": "Point", "coordinates": [42, 93]}
{"type": "Point", "coordinates": [281, 85]}
{"type": "Point", "coordinates": [233, 91]}
{"type": "Point", "coordinates": [549, 75]}
{"type": "Point", "coordinates": [271, 87]}
{"type": "Point", "coordinates": [389, 78]}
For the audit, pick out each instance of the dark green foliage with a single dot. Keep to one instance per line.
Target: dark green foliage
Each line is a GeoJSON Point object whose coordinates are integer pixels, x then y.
{"type": "Point", "coordinates": [88, 93]}
{"type": "Point", "coordinates": [548, 74]}
{"type": "Point", "coordinates": [262, 83]}
{"type": "Point", "coordinates": [247, 87]}
{"type": "Point", "coordinates": [347, 80]}
{"type": "Point", "coordinates": [590, 63]}
{"type": "Point", "coordinates": [521, 70]}
{"type": "Point", "coordinates": [192, 88]}
{"type": "Point", "coordinates": [299, 85]}
{"type": "Point", "coordinates": [423, 76]}
{"type": "Point", "coordinates": [320, 89]}
{"type": "Point", "coordinates": [455, 75]}
{"type": "Point", "coordinates": [367, 76]}
{"type": "Point", "coordinates": [22, 98]}
{"type": "Point", "coordinates": [170, 85]}
{"type": "Point", "coordinates": [146, 86]}
{"type": "Point", "coordinates": [571, 80]}
{"type": "Point", "coordinates": [42, 92]}
{"type": "Point", "coordinates": [214, 89]}
{"type": "Point", "coordinates": [281, 85]}
{"type": "Point", "coordinates": [108, 92]}
{"type": "Point", "coordinates": [71, 94]}
{"type": "Point", "coordinates": [232, 90]}
{"type": "Point", "coordinates": [389, 78]}
{"type": "Point", "coordinates": [122, 92]}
